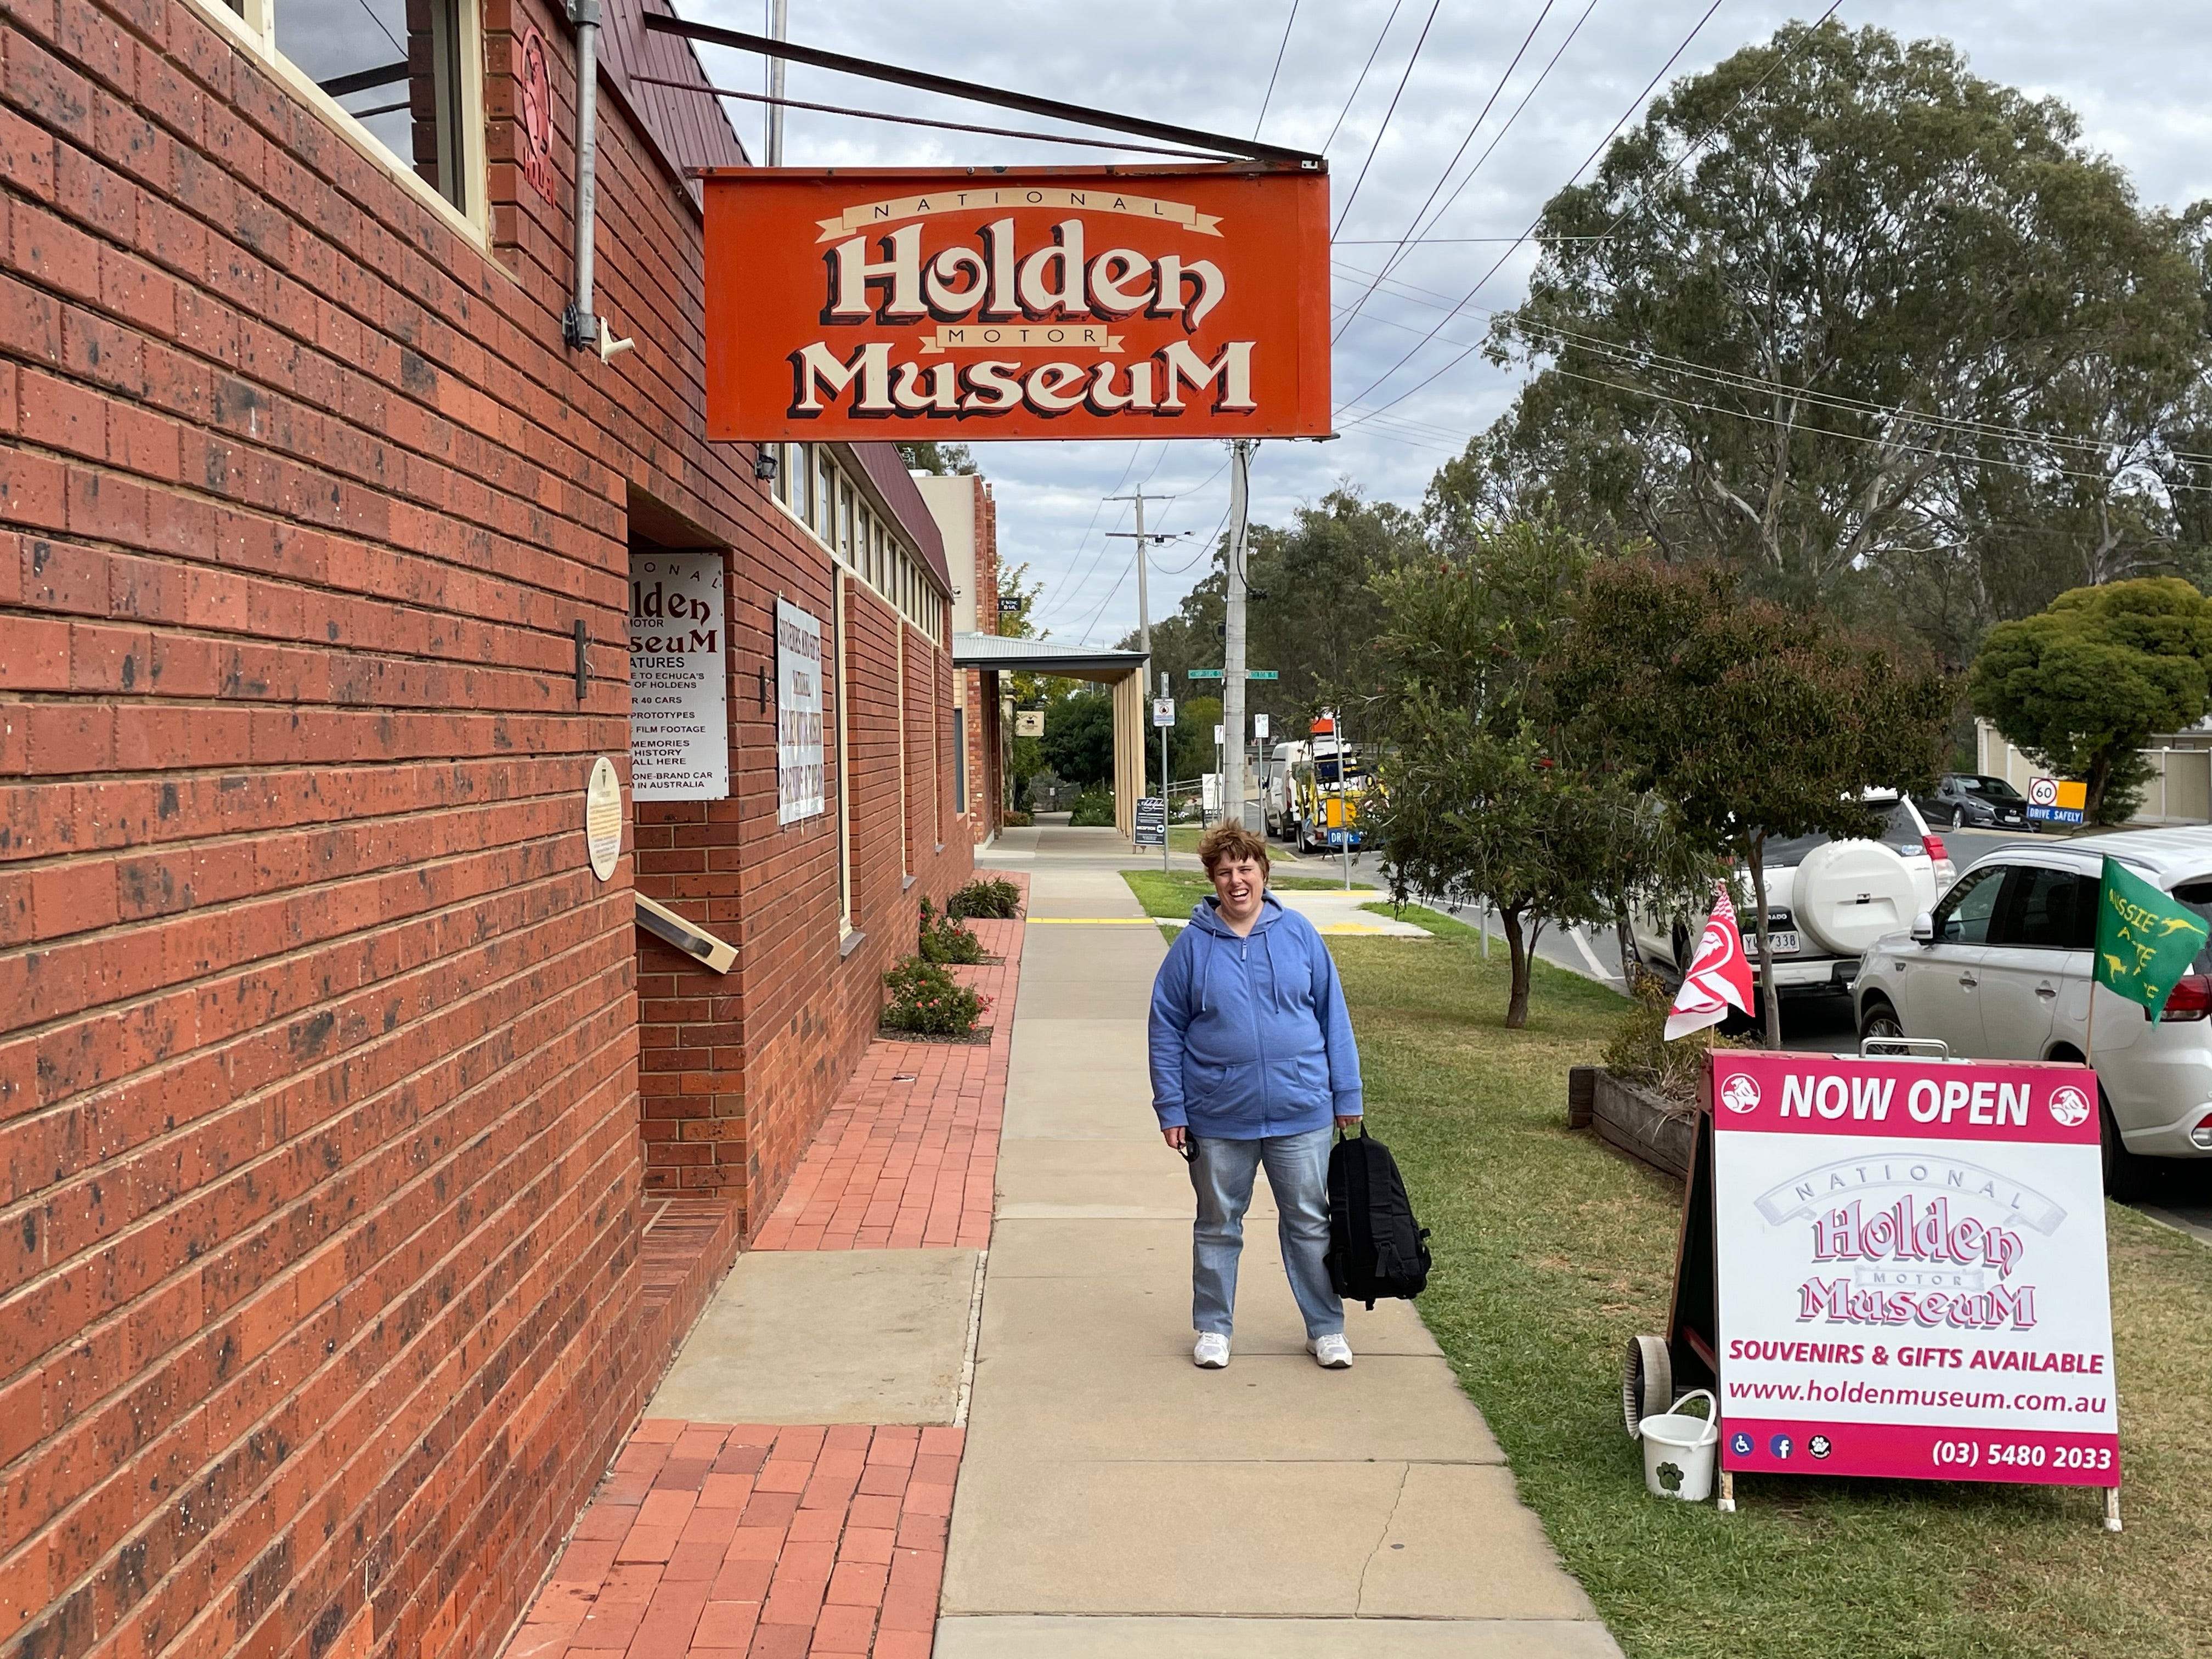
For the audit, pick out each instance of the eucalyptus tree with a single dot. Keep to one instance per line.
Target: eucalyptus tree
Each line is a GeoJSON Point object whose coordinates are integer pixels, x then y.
{"type": "Point", "coordinates": [1839, 309]}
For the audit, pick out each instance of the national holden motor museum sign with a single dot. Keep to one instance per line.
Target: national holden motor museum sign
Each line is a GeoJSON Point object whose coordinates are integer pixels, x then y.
{"type": "Point", "coordinates": [1035, 302]}
{"type": "Point", "coordinates": [1912, 1268]}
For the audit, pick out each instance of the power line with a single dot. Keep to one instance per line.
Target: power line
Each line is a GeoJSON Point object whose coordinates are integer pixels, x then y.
{"type": "Point", "coordinates": [1098, 508]}
{"type": "Point", "coordinates": [1736, 381]}
{"type": "Point", "coordinates": [1268, 96]}
{"type": "Point", "coordinates": [1498, 138]}
{"type": "Point", "coordinates": [1710, 133]}
{"type": "Point", "coordinates": [1413, 225]}
{"type": "Point", "coordinates": [2024, 467]}
{"type": "Point", "coordinates": [1382, 131]}
{"type": "Point", "coordinates": [1354, 96]}
{"type": "Point", "coordinates": [1595, 151]}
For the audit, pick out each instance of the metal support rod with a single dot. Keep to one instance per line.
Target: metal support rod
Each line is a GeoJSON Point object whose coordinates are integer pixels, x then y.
{"type": "Point", "coordinates": [579, 327]}
{"type": "Point", "coordinates": [779, 28]}
{"type": "Point", "coordinates": [1232, 650]}
{"type": "Point", "coordinates": [868, 70]}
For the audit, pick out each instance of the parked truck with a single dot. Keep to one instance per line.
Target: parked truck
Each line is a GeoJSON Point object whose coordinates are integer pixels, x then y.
{"type": "Point", "coordinates": [1307, 803]}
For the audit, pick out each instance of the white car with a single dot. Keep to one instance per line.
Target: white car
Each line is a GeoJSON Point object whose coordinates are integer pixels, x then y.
{"type": "Point", "coordinates": [1999, 969]}
{"type": "Point", "coordinates": [1826, 900]}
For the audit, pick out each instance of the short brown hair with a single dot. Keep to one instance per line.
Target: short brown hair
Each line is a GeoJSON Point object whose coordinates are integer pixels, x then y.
{"type": "Point", "coordinates": [1232, 842]}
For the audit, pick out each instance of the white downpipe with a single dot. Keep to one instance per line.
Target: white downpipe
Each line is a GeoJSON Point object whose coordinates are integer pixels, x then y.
{"type": "Point", "coordinates": [577, 326]}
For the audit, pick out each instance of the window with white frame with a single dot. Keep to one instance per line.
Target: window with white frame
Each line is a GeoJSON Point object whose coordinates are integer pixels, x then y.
{"type": "Point", "coordinates": [404, 71]}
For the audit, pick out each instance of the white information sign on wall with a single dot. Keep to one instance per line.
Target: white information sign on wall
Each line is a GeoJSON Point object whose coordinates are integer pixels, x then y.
{"type": "Point", "coordinates": [680, 723]}
{"type": "Point", "coordinates": [799, 789]}
{"type": "Point", "coordinates": [1911, 1264]}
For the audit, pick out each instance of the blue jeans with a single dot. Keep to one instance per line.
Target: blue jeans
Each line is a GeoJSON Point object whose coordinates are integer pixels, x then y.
{"type": "Point", "coordinates": [1298, 1174]}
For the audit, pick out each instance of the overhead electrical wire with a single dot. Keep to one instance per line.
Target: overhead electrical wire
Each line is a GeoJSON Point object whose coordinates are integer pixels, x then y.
{"type": "Point", "coordinates": [1267, 96]}
{"type": "Point", "coordinates": [1097, 508]}
{"type": "Point", "coordinates": [1734, 379]}
{"type": "Point", "coordinates": [1383, 131]}
{"type": "Point", "coordinates": [1352, 97]}
{"type": "Point", "coordinates": [1710, 134]}
{"type": "Point", "coordinates": [1499, 138]}
{"type": "Point", "coordinates": [1597, 150]}
{"type": "Point", "coordinates": [1413, 225]}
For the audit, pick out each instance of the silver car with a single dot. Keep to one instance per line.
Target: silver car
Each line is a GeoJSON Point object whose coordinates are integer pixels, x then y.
{"type": "Point", "coordinates": [2000, 969]}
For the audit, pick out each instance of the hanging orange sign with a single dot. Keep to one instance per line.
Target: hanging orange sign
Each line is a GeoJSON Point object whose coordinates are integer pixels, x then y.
{"type": "Point", "coordinates": [1027, 303]}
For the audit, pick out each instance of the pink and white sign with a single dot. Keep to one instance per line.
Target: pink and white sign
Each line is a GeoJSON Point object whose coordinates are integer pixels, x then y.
{"type": "Point", "coordinates": [1911, 1270]}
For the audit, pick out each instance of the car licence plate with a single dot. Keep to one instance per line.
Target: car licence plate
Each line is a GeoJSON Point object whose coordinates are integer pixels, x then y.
{"type": "Point", "coordinates": [1784, 944]}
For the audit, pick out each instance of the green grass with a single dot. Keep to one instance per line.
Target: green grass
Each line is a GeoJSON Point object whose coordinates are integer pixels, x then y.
{"type": "Point", "coordinates": [1552, 1250]}
{"type": "Point", "coordinates": [1169, 893]}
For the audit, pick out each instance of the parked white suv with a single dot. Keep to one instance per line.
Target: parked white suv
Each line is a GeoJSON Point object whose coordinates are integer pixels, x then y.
{"type": "Point", "coordinates": [2001, 970]}
{"type": "Point", "coordinates": [1826, 900]}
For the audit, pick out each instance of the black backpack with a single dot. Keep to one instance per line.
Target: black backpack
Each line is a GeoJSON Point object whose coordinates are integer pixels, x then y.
{"type": "Point", "coordinates": [1375, 1248]}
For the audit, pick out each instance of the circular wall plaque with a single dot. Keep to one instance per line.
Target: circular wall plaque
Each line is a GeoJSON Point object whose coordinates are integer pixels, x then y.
{"type": "Point", "coordinates": [603, 818]}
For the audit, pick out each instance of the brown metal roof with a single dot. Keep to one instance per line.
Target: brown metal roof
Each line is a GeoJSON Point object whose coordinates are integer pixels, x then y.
{"type": "Point", "coordinates": [689, 129]}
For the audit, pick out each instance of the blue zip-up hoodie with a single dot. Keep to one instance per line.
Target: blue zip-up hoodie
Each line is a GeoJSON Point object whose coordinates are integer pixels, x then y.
{"type": "Point", "coordinates": [1249, 1036]}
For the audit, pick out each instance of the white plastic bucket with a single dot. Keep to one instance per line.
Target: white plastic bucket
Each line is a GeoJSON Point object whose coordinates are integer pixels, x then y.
{"type": "Point", "coordinates": [1679, 1449]}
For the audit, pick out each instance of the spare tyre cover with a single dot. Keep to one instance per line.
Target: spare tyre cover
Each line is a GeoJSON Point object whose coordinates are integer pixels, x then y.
{"type": "Point", "coordinates": [1847, 893]}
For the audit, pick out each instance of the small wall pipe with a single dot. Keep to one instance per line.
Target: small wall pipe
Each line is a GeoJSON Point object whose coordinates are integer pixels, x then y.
{"type": "Point", "coordinates": [577, 326]}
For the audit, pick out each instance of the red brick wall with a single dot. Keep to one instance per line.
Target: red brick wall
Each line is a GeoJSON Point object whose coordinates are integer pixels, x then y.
{"type": "Point", "coordinates": [981, 692]}
{"type": "Point", "coordinates": [318, 1040]}
{"type": "Point", "coordinates": [738, 1069]}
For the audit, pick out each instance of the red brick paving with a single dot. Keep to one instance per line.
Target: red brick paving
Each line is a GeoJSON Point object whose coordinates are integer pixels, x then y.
{"type": "Point", "coordinates": [771, 1543]}
{"type": "Point", "coordinates": [778, 1542]}
{"type": "Point", "coordinates": [909, 1154]}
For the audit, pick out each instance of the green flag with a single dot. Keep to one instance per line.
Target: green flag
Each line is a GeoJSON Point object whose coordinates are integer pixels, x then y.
{"type": "Point", "coordinates": [2145, 940]}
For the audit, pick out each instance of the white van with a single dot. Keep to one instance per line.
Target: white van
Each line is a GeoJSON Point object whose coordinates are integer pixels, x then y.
{"type": "Point", "coordinates": [2000, 969]}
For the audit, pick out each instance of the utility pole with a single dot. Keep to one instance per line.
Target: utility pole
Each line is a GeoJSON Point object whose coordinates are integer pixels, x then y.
{"type": "Point", "coordinates": [1145, 544]}
{"type": "Point", "coordinates": [779, 28]}
{"type": "Point", "coordinates": [1232, 650]}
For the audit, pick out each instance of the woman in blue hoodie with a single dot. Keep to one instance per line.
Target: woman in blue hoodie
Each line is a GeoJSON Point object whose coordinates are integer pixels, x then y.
{"type": "Point", "coordinates": [1253, 1063]}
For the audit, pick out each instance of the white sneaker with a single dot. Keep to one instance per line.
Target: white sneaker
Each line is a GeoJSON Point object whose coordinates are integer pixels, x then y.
{"type": "Point", "coordinates": [1332, 1352]}
{"type": "Point", "coordinates": [1213, 1351]}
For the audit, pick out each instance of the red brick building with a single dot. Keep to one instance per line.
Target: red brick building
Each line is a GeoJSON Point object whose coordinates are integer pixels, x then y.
{"type": "Point", "coordinates": [968, 521]}
{"type": "Point", "coordinates": [338, 1094]}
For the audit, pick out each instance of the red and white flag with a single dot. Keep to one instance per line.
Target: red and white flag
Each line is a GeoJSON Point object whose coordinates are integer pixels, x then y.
{"type": "Point", "coordinates": [1719, 978]}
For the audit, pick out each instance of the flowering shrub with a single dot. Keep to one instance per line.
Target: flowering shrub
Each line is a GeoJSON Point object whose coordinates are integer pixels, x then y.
{"type": "Point", "coordinates": [925, 999]}
{"type": "Point", "coordinates": [946, 937]}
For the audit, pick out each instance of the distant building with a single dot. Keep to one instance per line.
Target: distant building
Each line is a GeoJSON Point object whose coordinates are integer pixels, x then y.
{"type": "Point", "coordinates": [968, 519]}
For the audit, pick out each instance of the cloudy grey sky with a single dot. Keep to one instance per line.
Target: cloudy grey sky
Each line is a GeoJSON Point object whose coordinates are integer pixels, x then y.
{"type": "Point", "coordinates": [2132, 68]}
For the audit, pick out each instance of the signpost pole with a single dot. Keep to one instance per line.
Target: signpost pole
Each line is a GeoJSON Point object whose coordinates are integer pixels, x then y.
{"type": "Point", "coordinates": [1165, 865]}
{"type": "Point", "coordinates": [1232, 660]}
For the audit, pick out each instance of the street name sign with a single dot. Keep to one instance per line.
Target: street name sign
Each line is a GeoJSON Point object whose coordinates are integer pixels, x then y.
{"type": "Point", "coordinates": [2056, 800]}
{"type": "Point", "coordinates": [1202, 673]}
{"type": "Point", "coordinates": [1911, 1269]}
{"type": "Point", "coordinates": [867, 305]}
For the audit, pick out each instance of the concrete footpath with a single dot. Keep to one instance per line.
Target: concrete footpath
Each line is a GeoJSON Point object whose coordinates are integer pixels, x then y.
{"type": "Point", "coordinates": [1114, 1500]}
